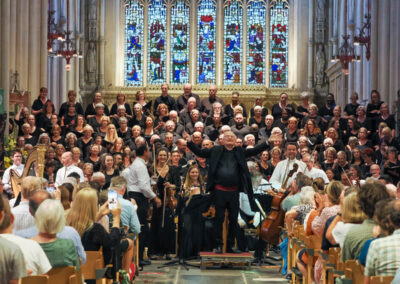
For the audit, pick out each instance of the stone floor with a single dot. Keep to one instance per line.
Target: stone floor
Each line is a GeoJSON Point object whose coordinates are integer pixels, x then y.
{"type": "Point", "coordinates": [178, 274]}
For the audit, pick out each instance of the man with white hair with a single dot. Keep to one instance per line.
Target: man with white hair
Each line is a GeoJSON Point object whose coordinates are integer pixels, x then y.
{"type": "Point", "coordinates": [194, 117]}
{"type": "Point", "coordinates": [68, 167]}
{"type": "Point", "coordinates": [228, 175]}
{"type": "Point", "coordinates": [170, 128]}
{"type": "Point", "coordinates": [311, 171]}
{"type": "Point", "coordinates": [207, 103]}
{"type": "Point", "coordinates": [187, 94]}
{"type": "Point", "coordinates": [100, 178]}
{"type": "Point", "coordinates": [265, 132]}
{"type": "Point", "coordinates": [184, 114]}
{"type": "Point", "coordinates": [250, 140]}
{"type": "Point", "coordinates": [173, 115]}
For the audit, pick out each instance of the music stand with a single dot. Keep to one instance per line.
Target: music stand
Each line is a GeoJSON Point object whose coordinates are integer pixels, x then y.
{"type": "Point", "coordinates": [181, 261]}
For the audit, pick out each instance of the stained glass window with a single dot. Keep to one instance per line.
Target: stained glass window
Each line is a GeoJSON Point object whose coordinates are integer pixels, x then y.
{"type": "Point", "coordinates": [256, 42]}
{"type": "Point", "coordinates": [180, 17]}
{"type": "Point", "coordinates": [133, 72]}
{"type": "Point", "coordinates": [279, 19]}
{"type": "Point", "coordinates": [206, 37]}
{"type": "Point", "coordinates": [157, 19]}
{"type": "Point", "coordinates": [233, 19]}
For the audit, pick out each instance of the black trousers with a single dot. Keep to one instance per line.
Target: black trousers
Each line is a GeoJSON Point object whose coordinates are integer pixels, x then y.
{"type": "Point", "coordinates": [143, 207]}
{"type": "Point", "coordinates": [226, 200]}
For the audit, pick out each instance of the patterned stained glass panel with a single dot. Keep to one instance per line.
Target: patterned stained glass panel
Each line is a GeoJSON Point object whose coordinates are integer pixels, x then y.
{"type": "Point", "coordinates": [157, 19]}
{"type": "Point", "coordinates": [256, 42]}
{"type": "Point", "coordinates": [180, 40]}
{"type": "Point", "coordinates": [233, 19]}
{"type": "Point", "coordinates": [279, 22]}
{"type": "Point", "coordinates": [206, 37]}
{"type": "Point", "coordinates": [133, 71]}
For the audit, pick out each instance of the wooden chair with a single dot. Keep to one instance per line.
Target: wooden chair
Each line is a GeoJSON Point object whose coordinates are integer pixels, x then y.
{"type": "Point", "coordinates": [62, 275]}
{"type": "Point", "coordinates": [94, 263]}
{"type": "Point", "coordinates": [37, 279]}
{"type": "Point", "coordinates": [136, 255]}
{"type": "Point", "coordinates": [354, 271]}
{"type": "Point", "coordinates": [313, 246]}
{"type": "Point", "coordinates": [381, 279]}
{"type": "Point", "coordinates": [331, 265]}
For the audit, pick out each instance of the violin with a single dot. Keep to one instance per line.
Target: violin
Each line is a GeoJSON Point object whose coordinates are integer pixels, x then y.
{"type": "Point", "coordinates": [271, 226]}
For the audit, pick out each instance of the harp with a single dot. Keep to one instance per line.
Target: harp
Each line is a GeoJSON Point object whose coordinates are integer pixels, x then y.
{"type": "Point", "coordinates": [34, 166]}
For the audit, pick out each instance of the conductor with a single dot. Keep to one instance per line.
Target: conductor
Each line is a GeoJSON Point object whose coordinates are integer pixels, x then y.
{"type": "Point", "coordinates": [228, 175]}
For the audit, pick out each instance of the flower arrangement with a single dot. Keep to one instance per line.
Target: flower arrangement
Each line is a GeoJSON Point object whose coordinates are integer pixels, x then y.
{"type": "Point", "coordinates": [9, 146]}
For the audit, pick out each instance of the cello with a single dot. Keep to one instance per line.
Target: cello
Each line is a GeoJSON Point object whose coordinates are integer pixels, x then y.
{"type": "Point", "coordinates": [271, 226]}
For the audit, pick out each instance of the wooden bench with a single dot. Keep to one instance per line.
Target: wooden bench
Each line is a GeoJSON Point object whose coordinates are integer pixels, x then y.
{"type": "Point", "coordinates": [37, 279]}
{"type": "Point", "coordinates": [64, 275]}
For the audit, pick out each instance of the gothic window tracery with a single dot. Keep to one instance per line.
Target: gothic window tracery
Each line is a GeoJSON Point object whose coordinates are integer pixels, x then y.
{"type": "Point", "coordinates": [248, 37]}
{"type": "Point", "coordinates": [233, 19]}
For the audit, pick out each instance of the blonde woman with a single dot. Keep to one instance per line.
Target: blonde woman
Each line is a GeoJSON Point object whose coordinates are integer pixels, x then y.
{"type": "Point", "coordinates": [351, 215]}
{"type": "Point", "coordinates": [192, 219]}
{"type": "Point", "coordinates": [84, 216]}
{"type": "Point", "coordinates": [111, 136]}
{"type": "Point", "coordinates": [104, 123]}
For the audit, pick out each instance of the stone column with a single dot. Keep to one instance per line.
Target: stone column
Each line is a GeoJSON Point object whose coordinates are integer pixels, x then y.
{"type": "Point", "coordinates": [219, 52]}
{"type": "Point", "coordinates": [383, 48]}
{"type": "Point", "coordinates": [43, 43]}
{"type": "Point", "coordinates": [310, 43]}
{"type": "Point", "coordinates": [374, 46]}
{"type": "Point", "coordinates": [13, 32]}
{"type": "Point", "coordinates": [101, 42]}
{"type": "Point", "coordinates": [394, 52]}
{"type": "Point", "coordinates": [5, 55]}
{"type": "Point", "coordinates": [34, 49]}
{"type": "Point", "coordinates": [193, 40]}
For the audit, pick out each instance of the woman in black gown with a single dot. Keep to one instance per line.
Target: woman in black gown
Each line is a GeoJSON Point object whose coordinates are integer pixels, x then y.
{"type": "Point", "coordinates": [163, 233]}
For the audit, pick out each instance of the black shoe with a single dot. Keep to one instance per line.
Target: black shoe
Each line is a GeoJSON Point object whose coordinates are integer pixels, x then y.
{"type": "Point", "coordinates": [218, 250]}
{"type": "Point", "coordinates": [167, 257]}
{"type": "Point", "coordinates": [144, 262]}
{"type": "Point", "coordinates": [233, 250]}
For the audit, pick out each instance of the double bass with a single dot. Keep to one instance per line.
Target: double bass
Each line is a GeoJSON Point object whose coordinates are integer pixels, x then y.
{"type": "Point", "coordinates": [271, 227]}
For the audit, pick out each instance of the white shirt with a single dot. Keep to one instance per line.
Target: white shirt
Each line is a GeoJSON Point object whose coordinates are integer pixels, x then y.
{"type": "Point", "coordinates": [316, 173]}
{"type": "Point", "coordinates": [340, 231]}
{"type": "Point", "coordinates": [35, 258]}
{"type": "Point", "coordinates": [65, 171]}
{"type": "Point", "coordinates": [244, 203]}
{"type": "Point", "coordinates": [282, 170]}
{"type": "Point", "coordinates": [138, 179]}
{"type": "Point", "coordinates": [22, 217]}
{"type": "Point", "coordinates": [6, 181]}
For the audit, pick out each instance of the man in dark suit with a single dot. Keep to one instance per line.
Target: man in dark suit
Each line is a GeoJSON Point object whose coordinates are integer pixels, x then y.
{"type": "Point", "coordinates": [227, 176]}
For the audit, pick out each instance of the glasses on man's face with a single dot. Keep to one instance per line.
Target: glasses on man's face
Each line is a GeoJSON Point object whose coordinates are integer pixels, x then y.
{"type": "Point", "coordinates": [18, 156]}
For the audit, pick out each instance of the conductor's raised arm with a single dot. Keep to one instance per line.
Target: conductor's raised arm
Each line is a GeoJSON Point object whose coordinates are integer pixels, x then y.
{"type": "Point", "coordinates": [256, 150]}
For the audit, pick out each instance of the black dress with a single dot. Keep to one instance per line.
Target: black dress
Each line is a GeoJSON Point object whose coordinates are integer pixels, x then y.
{"type": "Point", "coordinates": [109, 177]}
{"type": "Point", "coordinates": [114, 109]}
{"type": "Point", "coordinates": [163, 238]}
{"type": "Point", "coordinates": [84, 146]}
{"type": "Point", "coordinates": [97, 237]}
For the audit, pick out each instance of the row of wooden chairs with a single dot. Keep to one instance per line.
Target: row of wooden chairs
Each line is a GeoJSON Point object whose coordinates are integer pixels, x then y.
{"type": "Point", "coordinates": [94, 268]}
{"type": "Point", "coordinates": [352, 270]}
